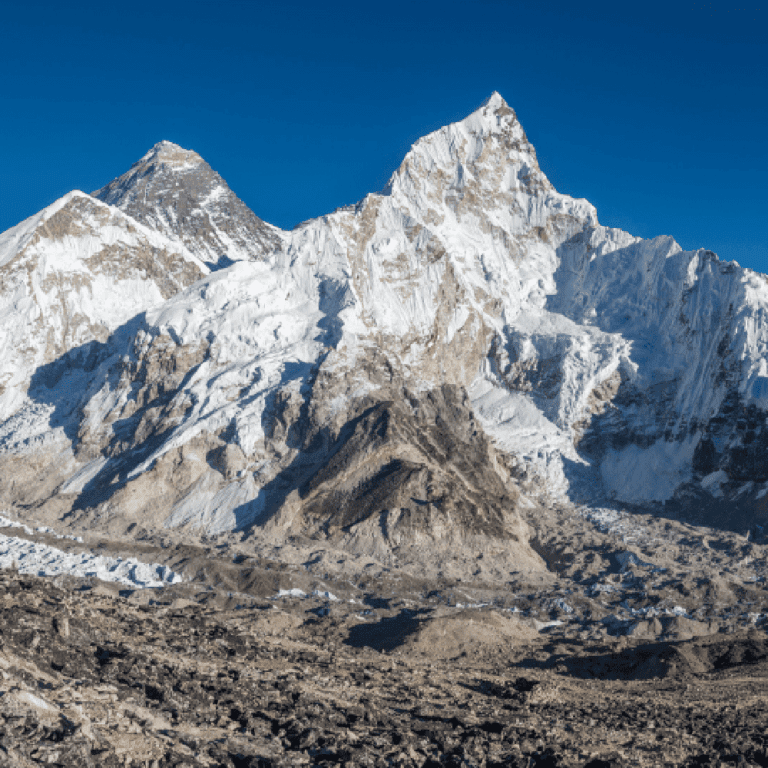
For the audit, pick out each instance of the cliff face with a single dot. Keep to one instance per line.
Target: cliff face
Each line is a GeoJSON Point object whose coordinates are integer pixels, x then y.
{"type": "Point", "coordinates": [405, 375]}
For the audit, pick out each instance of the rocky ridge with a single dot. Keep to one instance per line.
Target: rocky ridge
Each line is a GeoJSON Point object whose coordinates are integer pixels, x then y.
{"type": "Point", "coordinates": [175, 192]}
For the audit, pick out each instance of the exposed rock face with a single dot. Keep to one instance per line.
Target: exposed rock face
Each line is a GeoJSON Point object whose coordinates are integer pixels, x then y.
{"type": "Point", "coordinates": [174, 191]}
{"type": "Point", "coordinates": [384, 375]}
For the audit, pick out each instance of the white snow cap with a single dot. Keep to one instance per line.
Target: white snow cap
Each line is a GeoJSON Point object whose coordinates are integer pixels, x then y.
{"type": "Point", "coordinates": [172, 155]}
{"type": "Point", "coordinates": [495, 100]}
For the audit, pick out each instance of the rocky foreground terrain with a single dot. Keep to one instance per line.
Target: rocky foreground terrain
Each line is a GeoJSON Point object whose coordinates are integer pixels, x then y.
{"type": "Point", "coordinates": [92, 679]}
{"type": "Point", "coordinates": [250, 661]}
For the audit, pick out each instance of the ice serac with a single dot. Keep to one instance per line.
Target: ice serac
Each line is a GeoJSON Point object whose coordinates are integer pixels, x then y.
{"type": "Point", "coordinates": [175, 192]}
{"type": "Point", "coordinates": [402, 378]}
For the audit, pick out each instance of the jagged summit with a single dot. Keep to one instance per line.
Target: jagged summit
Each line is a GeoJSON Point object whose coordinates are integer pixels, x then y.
{"type": "Point", "coordinates": [495, 101]}
{"type": "Point", "coordinates": [174, 191]}
{"type": "Point", "coordinates": [495, 110]}
{"type": "Point", "coordinates": [171, 155]}
{"type": "Point", "coordinates": [487, 151]}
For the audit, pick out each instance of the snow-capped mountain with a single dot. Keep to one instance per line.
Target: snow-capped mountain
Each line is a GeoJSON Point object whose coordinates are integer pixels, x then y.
{"type": "Point", "coordinates": [398, 374]}
{"type": "Point", "coordinates": [71, 275]}
{"type": "Point", "coordinates": [175, 192]}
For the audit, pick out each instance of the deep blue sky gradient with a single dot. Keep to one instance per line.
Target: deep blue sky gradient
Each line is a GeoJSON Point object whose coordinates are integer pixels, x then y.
{"type": "Point", "coordinates": [655, 112]}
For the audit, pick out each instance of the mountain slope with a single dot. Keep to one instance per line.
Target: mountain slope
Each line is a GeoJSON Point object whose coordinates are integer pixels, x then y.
{"type": "Point", "coordinates": [400, 378]}
{"type": "Point", "coordinates": [71, 275]}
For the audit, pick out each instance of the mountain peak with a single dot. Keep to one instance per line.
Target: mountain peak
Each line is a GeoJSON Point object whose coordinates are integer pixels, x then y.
{"type": "Point", "coordinates": [494, 115]}
{"type": "Point", "coordinates": [487, 149]}
{"type": "Point", "coordinates": [495, 101]}
{"type": "Point", "coordinates": [175, 192]}
{"type": "Point", "coordinates": [171, 155]}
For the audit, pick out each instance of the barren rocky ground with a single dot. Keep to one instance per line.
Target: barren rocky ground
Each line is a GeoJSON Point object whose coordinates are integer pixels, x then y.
{"type": "Point", "coordinates": [605, 660]}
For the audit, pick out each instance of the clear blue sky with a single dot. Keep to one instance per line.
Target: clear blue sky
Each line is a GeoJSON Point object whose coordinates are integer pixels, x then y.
{"type": "Point", "coordinates": [655, 112]}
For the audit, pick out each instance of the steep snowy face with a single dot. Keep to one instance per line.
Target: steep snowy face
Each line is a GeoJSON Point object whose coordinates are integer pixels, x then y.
{"type": "Point", "coordinates": [689, 399]}
{"type": "Point", "coordinates": [70, 276]}
{"type": "Point", "coordinates": [175, 192]}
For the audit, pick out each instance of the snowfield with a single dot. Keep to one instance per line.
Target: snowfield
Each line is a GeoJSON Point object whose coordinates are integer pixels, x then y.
{"type": "Point", "coordinates": [38, 559]}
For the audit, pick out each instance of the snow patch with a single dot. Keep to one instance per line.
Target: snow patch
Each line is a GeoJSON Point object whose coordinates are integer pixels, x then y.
{"type": "Point", "coordinates": [295, 592]}
{"type": "Point", "coordinates": [714, 481]}
{"type": "Point", "coordinates": [31, 557]}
